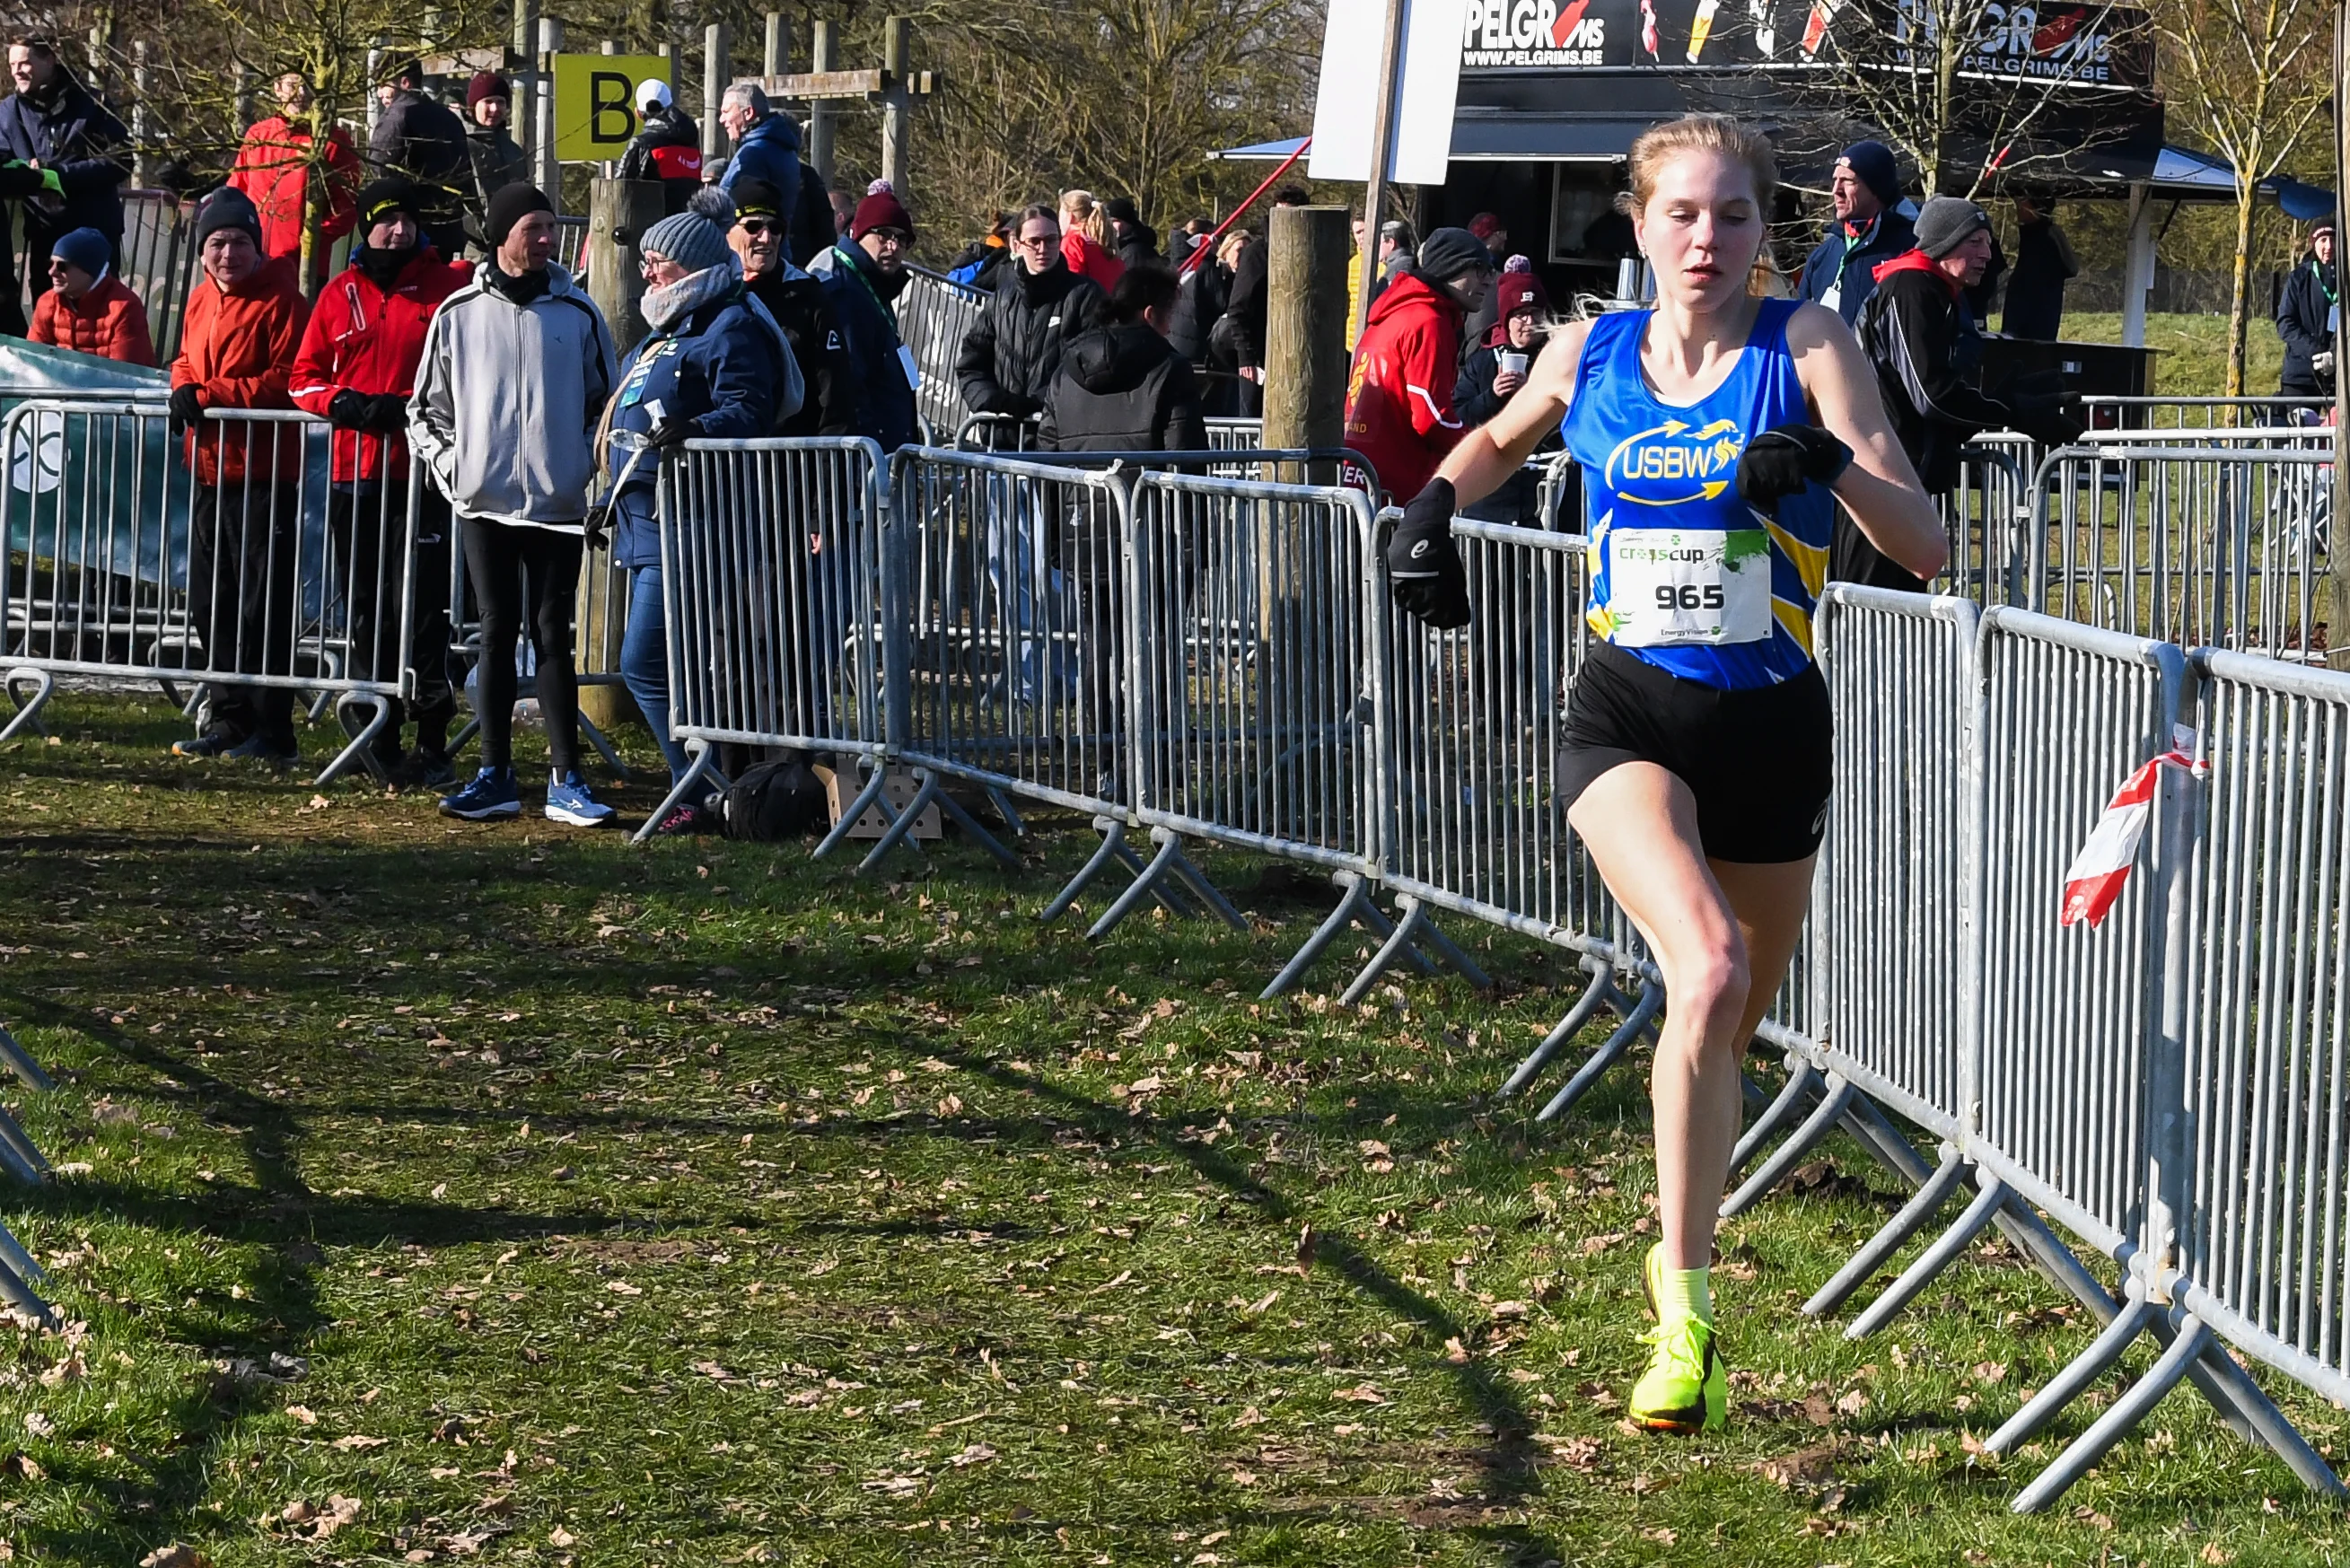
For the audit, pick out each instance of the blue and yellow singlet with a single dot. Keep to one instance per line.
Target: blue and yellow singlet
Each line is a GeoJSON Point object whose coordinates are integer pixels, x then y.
{"type": "Point", "coordinates": [1684, 575]}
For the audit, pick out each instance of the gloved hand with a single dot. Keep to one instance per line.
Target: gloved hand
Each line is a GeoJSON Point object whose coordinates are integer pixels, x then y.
{"type": "Point", "coordinates": [598, 524]}
{"type": "Point", "coordinates": [388, 413]}
{"type": "Point", "coordinates": [1423, 569]}
{"type": "Point", "coordinates": [187, 404]}
{"type": "Point", "coordinates": [1784, 460]}
{"type": "Point", "coordinates": [2323, 362]}
{"type": "Point", "coordinates": [667, 432]}
{"type": "Point", "coordinates": [348, 409]}
{"type": "Point", "coordinates": [52, 183]}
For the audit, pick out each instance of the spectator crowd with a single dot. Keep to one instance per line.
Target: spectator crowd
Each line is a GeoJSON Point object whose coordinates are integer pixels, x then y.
{"type": "Point", "coordinates": [452, 354]}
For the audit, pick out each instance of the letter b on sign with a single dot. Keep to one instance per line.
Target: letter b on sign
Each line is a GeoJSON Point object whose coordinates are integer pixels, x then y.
{"type": "Point", "coordinates": [594, 102]}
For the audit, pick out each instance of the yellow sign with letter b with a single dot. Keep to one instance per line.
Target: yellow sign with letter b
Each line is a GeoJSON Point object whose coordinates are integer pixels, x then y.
{"type": "Point", "coordinates": [596, 102]}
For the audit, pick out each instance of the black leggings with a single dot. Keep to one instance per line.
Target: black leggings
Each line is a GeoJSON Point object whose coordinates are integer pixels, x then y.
{"type": "Point", "coordinates": [510, 568]}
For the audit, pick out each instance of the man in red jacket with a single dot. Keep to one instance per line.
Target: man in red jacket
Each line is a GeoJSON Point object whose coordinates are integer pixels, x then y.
{"type": "Point", "coordinates": [1399, 402]}
{"type": "Point", "coordinates": [236, 351]}
{"type": "Point", "coordinates": [357, 368]}
{"type": "Point", "coordinates": [276, 167]}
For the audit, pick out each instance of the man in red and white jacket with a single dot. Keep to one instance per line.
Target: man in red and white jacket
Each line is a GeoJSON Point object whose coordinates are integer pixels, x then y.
{"type": "Point", "coordinates": [1399, 400]}
{"type": "Point", "coordinates": [356, 368]}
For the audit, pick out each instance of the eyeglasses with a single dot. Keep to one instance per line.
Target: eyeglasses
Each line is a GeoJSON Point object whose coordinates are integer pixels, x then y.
{"type": "Point", "coordinates": [1038, 242]}
{"type": "Point", "coordinates": [890, 236]}
{"type": "Point", "coordinates": [754, 227]}
{"type": "Point", "coordinates": [650, 265]}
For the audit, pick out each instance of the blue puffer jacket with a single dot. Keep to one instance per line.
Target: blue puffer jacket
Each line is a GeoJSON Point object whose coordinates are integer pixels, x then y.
{"type": "Point", "coordinates": [884, 404]}
{"type": "Point", "coordinates": [770, 150]}
{"type": "Point", "coordinates": [725, 369]}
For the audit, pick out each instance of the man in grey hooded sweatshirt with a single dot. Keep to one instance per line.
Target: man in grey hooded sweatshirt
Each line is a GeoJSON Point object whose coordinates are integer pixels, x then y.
{"type": "Point", "coordinates": [517, 367]}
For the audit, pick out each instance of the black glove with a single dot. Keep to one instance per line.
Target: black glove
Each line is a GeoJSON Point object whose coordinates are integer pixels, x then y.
{"type": "Point", "coordinates": [187, 404]}
{"type": "Point", "coordinates": [667, 432]}
{"type": "Point", "coordinates": [1784, 460]}
{"type": "Point", "coordinates": [347, 410]}
{"type": "Point", "coordinates": [387, 412]}
{"type": "Point", "coordinates": [1423, 569]}
{"type": "Point", "coordinates": [598, 524]}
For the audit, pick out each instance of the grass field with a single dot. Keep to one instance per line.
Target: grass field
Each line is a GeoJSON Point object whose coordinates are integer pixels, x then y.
{"type": "Point", "coordinates": [434, 1192]}
{"type": "Point", "coordinates": [2194, 362]}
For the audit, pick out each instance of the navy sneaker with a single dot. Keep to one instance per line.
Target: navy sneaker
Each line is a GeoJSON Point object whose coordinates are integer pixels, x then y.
{"type": "Point", "coordinates": [491, 794]}
{"type": "Point", "coordinates": [568, 800]}
{"type": "Point", "coordinates": [258, 748]}
{"type": "Point", "coordinates": [421, 769]}
{"type": "Point", "coordinates": [212, 743]}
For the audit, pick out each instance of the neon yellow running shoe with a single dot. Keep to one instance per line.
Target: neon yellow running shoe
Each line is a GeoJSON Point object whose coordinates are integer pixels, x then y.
{"type": "Point", "coordinates": [1685, 1388]}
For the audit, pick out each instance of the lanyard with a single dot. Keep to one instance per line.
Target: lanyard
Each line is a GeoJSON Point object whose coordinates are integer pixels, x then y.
{"type": "Point", "coordinates": [2317, 271]}
{"type": "Point", "coordinates": [859, 273]}
{"type": "Point", "coordinates": [1853, 241]}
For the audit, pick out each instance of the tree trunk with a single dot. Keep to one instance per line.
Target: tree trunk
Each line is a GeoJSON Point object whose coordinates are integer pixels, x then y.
{"type": "Point", "coordinates": [2240, 277]}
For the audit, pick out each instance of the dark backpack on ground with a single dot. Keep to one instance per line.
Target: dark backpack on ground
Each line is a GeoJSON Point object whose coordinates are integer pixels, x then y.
{"type": "Point", "coordinates": [774, 801]}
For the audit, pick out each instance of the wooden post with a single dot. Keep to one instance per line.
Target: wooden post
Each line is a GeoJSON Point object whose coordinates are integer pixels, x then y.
{"type": "Point", "coordinates": [776, 57]}
{"type": "Point", "coordinates": [1382, 158]}
{"type": "Point", "coordinates": [1305, 371]}
{"type": "Point", "coordinates": [549, 168]}
{"type": "Point", "coordinates": [897, 60]}
{"type": "Point", "coordinates": [825, 55]}
{"type": "Point", "coordinates": [717, 71]}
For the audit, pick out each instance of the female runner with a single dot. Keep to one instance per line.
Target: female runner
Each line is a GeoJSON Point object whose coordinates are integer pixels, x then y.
{"type": "Point", "coordinates": [1716, 434]}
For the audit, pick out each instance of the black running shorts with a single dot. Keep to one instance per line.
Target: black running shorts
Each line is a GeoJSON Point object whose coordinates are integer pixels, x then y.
{"type": "Point", "coordinates": [1758, 761]}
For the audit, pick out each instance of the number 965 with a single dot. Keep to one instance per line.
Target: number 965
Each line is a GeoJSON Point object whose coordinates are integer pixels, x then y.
{"type": "Point", "coordinates": [1689, 596]}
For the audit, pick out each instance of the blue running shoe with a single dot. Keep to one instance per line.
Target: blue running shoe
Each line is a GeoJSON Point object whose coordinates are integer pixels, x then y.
{"type": "Point", "coordinates": [568, 800]}
{"type": "Point", "coordinates": [491, 794]}
{"type": "Point", "coordinates": [260, 748]}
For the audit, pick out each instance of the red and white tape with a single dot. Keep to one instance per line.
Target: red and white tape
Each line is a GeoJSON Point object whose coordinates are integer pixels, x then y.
{"type": "Point", "coordinates": [2095, 878]}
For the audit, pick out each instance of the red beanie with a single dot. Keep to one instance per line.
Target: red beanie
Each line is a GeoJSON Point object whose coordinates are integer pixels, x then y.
{"type": "Point", "coordinates": [880, 209]}
{"type": "Point", "coordinates": [487, 84]}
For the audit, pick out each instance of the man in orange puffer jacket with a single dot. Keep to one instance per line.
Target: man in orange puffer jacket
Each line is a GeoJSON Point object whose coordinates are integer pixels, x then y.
{"type": "Point", "coordinates": [356, 368]}
{"type": "Point", "coordinates": [244, 321]}
{"type": "Point", "coordinates": [89, 310]}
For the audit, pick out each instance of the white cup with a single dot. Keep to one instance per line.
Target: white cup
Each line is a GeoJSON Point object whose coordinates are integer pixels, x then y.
{"type": "Point", "coordinates": [1511, 362]}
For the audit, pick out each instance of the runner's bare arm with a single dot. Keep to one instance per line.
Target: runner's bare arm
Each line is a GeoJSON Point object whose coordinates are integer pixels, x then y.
{"type": "Point", "coordinates": [1488, 455]}
{"type": "Point", "coordinates": [1879, 489]}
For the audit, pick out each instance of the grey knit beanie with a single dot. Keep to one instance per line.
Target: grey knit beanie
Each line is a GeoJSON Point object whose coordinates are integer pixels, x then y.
{"type": "Point", "coordinates": [1944, 224]}
{"type": "Point", "coordinates": [689, 239]}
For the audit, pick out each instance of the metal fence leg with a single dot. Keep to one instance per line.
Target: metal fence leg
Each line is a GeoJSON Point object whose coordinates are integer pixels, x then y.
{"type": "Point", "coordinates": [1113, 832]}
{"type": "Point", "coordinates": [1196, 881]}
{"type": "Point", "coordinates": [1892, 1237]}
{"type": "Point", "coordinates": [1803, 1080]}
{"type": "Point", "coordinates": [2255, 1417]}
{"type": "Point", "coordinates": [865, 800]}
{"type": "Point", "coordinates": [2114, 1425]}
{"type": "Point", "coordinates": [1171, 897]}
{"type": "Point", "coordinates": [1002, 804]}
{"type": "Point", "coordinates": [1399, 941]}
{"type": "Point", "coordinates": [964, 819]}
{"type": "Point", "coordinates": [902, 823]}
{"type": "Point", "coordinates": [18, 1147]}
{"type": "Point", "coordinates": [1933, 1260]}
{"type": "Point", "coordinates": [19, 1060]}
{"type": "Point", "coordinates": [1586, 1007]}
{"type": "Point", "coordinates": [2073, 1379]}
{"type": "Point", "coordinates": [1783, 1159]}
{"type": "Point", "coordinates": [360, 747]}
{"type": "Point", "coordinates": [1867, 1125]}
{"type": "Point", "coordinates": [1141, 888]}
{"type": "Point", "coordinates": [28, 709]}
{"type": "Point", "coordinates": [1644, 1011]}
{"type": "Point", "coordinates": [17, 1291]}
{"type": "Point", "coordinates": [604, 747]}
{"type": "Point", "coordinates": [704, 768]}
{"type": "Point", "coordinates": [1444, 947]}
{"type": "Point", "coordinates": [1356, 897]}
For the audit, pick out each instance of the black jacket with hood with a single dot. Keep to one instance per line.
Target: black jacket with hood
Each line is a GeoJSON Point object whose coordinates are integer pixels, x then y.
{"type": "Point", "coordinates": [1123, 389]}
{"type": "Point", "coordinates": [1011, 354]}
{"type": "Point", "coordinates": [827, 376]}
{"type": "Point", "coordinates": [2302, 312]}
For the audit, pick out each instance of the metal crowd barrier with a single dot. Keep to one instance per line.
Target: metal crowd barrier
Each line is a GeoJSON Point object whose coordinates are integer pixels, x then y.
{"type": "Point", "coordinates": [159, 262]}
{"type": "Point", "coordinates": [2191, 415]}
{"type": "Point", "coordinates": [2191, 545]}
{"type": "Point", "coordinates": [122, 562]}
{"type": "Point", "coordinates": [934, 314]}
{"type": "Point", "coordinates": [771, 596]}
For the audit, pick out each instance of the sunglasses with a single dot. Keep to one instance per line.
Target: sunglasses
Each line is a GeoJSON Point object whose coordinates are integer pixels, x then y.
{"type": "Point", "coordinates": [754, 227]}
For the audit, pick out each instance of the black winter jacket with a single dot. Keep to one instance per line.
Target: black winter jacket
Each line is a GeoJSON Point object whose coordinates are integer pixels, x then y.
{"type": "Point", "coordinates": [1245, 306]}
{"type": "Point", "coordinates": [1140, 245]}
{"type": "Point", "coordinates": [1517, 499]}
{"type": "Point", "coordinates": [812, 233]}
{"type": "Point", "coordinates": [2302, 310]}
{"type": "Point", "coordinates": [78, 139]}
{"type": "Point", "coordinates": [828, 379]}
{"type": "Point", "coordinates": [1199, 302]}
{"type": "Point", "coordinates": [669, 149]}
{"type": "Point", "coordinates": [498, 162]}
{"type": "Point", "coordinates": [1011, 354]}
{"type": "Point", "coordinates": [1123, 389]}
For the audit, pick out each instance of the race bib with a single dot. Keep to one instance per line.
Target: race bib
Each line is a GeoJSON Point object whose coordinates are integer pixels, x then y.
{"type": "Point", "coordinates": [1834, 297]}
{"type": "Point", "coordinates": [1679, 587]}
{"type": "Point", "coordinates": [906, 363]}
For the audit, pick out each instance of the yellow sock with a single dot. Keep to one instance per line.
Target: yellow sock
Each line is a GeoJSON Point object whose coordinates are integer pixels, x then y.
{"type": "Point", "coordinates": [1683, 1294]}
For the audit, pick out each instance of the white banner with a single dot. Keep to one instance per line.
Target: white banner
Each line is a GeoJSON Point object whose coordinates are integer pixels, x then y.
{"type": "Point", "coordinates": [1427, 80]}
